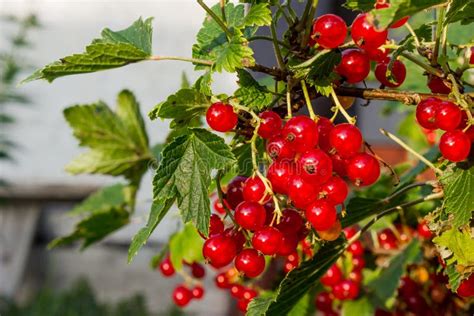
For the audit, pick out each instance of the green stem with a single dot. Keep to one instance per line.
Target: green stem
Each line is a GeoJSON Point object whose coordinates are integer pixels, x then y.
{"type": "Point", "coordinates": [308, 100]}
{"type": "Point", "coordinates": [338, 104]}
{"type": "Point", "coordinates": [309, 23]}
{"type": "Point", "coordinates": [288, 103]}
{"type": "Point", "coordinates": [216, 18]}
{"type": "Point", "coordinates": [439, 30]}
{"type": "Point", "coordinates": [415, 37]}
{"type": "Point", "coordinates": [276, 47]}
{"type": "Point", "coordinates": [220, 195]}
{"type": "Point", "coordinates": [222, 4]}
{"type": "Point", "coordinates": [460, 99]}
{"type": "Point", "coordinates": [268, 38]}
{"type": "Point", "coordinates": [191, 60]}
{"type": "Point", "coordinates": [428, 68]}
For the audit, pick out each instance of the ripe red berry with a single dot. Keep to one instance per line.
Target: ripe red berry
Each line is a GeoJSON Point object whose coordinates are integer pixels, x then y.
{"type": "Point", "coordinates": [471, 59]}
{"type": "Point", "coordinates": [455, 145]}
{"type": "Point", "coordinates": [279, 149]}
{"type": "Point", "coordinates": [332, 276]}
{"type": "Point", "coordinates": [323, 302]}
{"type": "Point", "coordinates": [234, 194]}
{"type": "Point", "coordinates": [242, 305]}
{"type": "Point", "coordinates": [250, 262]}
{"type": "Point", "coordinates": [197, 270]}
{"type": "Point", "coordinates": [332, 233]}
{"type": "Point", "coordinates": [350, 232]}
{"type": "Point", "coordinates": [248, 293]}
{"type": "Point", "coordinates": [363, 169]}
{"type": "Point", "coordinates": [291, 222]}
{"type": "Point", "coordinates": [182, 296]}
{"type": "Point", "coordinates": [219, 250]}
{"type": "Point", "coordinates": [301, 132]}
{"type": "Point", "coordinates": [335, 190]}
{"type": "Point", "coordinates": [166, 267]}
{"type": "Point", "coordinates": [387, 239]}
{"type": "Point", "coordinates": [355, 276]}
{"type": "Point", "coordinates": [221, 117]}
{"type": "Point", "coordinates": [329, 31]}
{"type": "Point", "coordinates": [324, 128]}
{"type": "Point", "coordinates": [254, 190]}
{"type": "Point", "coordinates": [377, 54]}
{"type": "Point", "coordinates": [426, 113]}
{"type": "Point", "coordinates": [365, 34]}
{"type": "Point", "coordinates": [398, 73]}
{"type": "Point", "coordinates": [237, 236]}
{"type": "Point", "coordinates": [222, 281]}
{"type": "Point", "coordinates": [423, 230]}
{"type": "Point", "coordinates": [218, 207]}
{"type": "Point", "coordinates": [346, 290]}
{"type": "Point", "coordinates": [358, 263]}
{"type": "Point", "coordinates": [466, 288]}
{"type": "Point", "coordinates": [437, 85]}
{"type": "Point", "coordinates": [216, 226]}
{"type": "Point", "coordinates": [315, 166]}
{"type": "Point", "coordinates": [354, 66]}
{"type": "Point", "coordinates": [197, 292]}
{"type": "Point", "coordinates": [279, 174]}
{"type": "Point", "coordinates": [267, 240]}
{"type": "Point", "coordinates": [381, 4]}
{"type": "Point", "coordinates": [321, 214]}
{"type": "Point", "coordinates": [270, 124]}
{"type": "Point", "coordinates": [288, 245]}
{"type": "Point", "coordinates": [237, 290]}
{"type": "Point", "coordinates": [346, 139]}
{"type": "Point", "coordinates": [338, 165]}
{"type": "Point", "coordinates": [250, 215]}
{"type": "Point", "coordinates": [301, 192]}
{"type": "Point", "coordinates": [448, 117]}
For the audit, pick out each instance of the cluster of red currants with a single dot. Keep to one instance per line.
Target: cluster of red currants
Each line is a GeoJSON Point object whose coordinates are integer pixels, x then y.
{"type": "Point", "coordinates": [455, 143]}
{"type": "Point", "coordinates": [182, 294]}
{"type": "Point", "coordinates": [228, 280]}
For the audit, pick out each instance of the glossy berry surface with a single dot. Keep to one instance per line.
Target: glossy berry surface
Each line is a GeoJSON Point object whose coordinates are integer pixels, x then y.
{"type": "Point", "coordinates": [301, 132]}
{"type": "Point", "coordinates": [288, 245]}
{"type": "Point", "coordinates": [197, 292]}
{"type": "Point", "coordinates": [301, 192]}
{"type": "Point", "coordinates": [321, 214]}
{"type": "Point", "coordinates": [345, 139]}
{"type": "Point", "coordinates": [267, 240]}
{"type": "Point", "coordinates": [363, 169]}
{"type": "Point", "coordinates": [250, 263]}
{"type": "Point", "coordinates": [216, 226]}
{"type": "Point", "coordinates": [423, 230]}
{"type": "Point", "coordinates": [315, 166]}
{"type": "Point", "coordinates": [332, 233]}
{"type": "Point", "coordinates": [182, 296]}
{"type": "Point", "coordinates": [338, 165]}
{"type": "Point", "coordinates": [280, 149]}
{"type": "Point", "coordinates": [329, 31]}
{"type": "Point", "coordinates": [466, 288]}
{"type": "Point", "coordinates": [448, 116]}
{"type": "Point", "coordinates": [250, 215]}
{"type": "Point", "coordinates": [222, 281]}
{"type": "Point", "coordinates": [324, 128]}
{"type": "Point", "coordinates": [332, 276]}
{"type": "Point", "coordinates": [437, 85]}
{"type": "Point", "coordinates": [237, 236]}
{"type": "Point", "coordinates": [221, 117]}
{"type": "Point", "coordinates": [166, 267]}
{"type": "Point", "coordinates": [270, 124]}
{"type": "Point", "coordinates": [279, 174]}
{"type": "Point", "coordinates": [387, 239]}
{"type": "Point", "coordinates": [426, 113]}
{"type": "Point", "coordinates": [291, 222]}
{"type": "Point", "coordinates": [354, 66]}
{"type": "Point", "coordinates": [254, 190]}
{"type": "Point", "coordinates": [398, 73]}
{"type": "Point", "coordinates": [364, 33]}
{"type": "Point", "coordinates": [346, 290]}
{"type": "Point", "coordinates": [219, 250]}
{"type": "Point", "coordinates": [234, 195]}
{"type": "Point", "coordinates": [323, 302]}
{"type": "Point", "coordinates": [197, 270]}
{"type": "Point", "coordinates": [218, 207]}
{"type": "Point", "coordinates": [356, 248]}
{"type": "Point", "coordinates": [335, 190]}
{"type": "Point", "coordinates": [455, 145]}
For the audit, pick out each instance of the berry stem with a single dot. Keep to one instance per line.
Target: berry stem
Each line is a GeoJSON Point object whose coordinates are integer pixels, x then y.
{"type": "Point", "coordinates": [288, 103]}
{"type": "Point", "coordinates": [411, 150]}
{"type": "Point", "coordinates": [460, 100]}
{"type": "Point", "coordinates": [415, 37]}
{"type": "Point", "coordinates": [216, 18]}
{"type": "Point", "coordinates": [432, 70]}
{"type": "Point", "coordinates": [220, 195]}
{"type": "Point", "coordinates": [268, 38]}
{"type": "Point", "coordinates": [438, 33]}
{"type": "Point", "coordinates": [309, 22]}
{"type": "Point", "coordinates": [349, 118]}
{"type": "Point", "coordinates": [222, 4]}
{"type": "Point", "coordinates": [191, 60]}
{"type": "Point", "coordinates": [308, 100]}
{"type": "Point", "coordinates": [276, 47]}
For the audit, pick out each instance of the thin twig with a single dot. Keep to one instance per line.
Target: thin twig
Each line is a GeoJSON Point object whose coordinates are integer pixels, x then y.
{"type": "Point", "coordinates": [338, 104]}
{"type": "Point", "coordinates": [216, 18]}
{"type": "Point", "coordinates": [308, 100]}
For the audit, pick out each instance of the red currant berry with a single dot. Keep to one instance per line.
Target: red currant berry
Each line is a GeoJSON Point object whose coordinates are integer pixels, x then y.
{"type": "Point", "coordinates": [455, 146]}
{"type": "Point", "coordinates": [354, 66]}
{"type": "Point", "coordinates": [234, 195]}
{"type": "Point", "coordinates": [270, 124]}
{"type": "Point", "coordinates": [269, 212]}
{"type": "Point", "coordinates": [408, 287]}
{"type": "Point", "coordinates": [288, 245]}
{"type": "Point", "coordinates": [254, 190]}
{"type": "Point", "coordinates": [216, 226]}
{"type": "Point", "coordinates": [237, 290]}
{"type": "Point", "coordinates": [338, 165]}
{"type": "Point", "coordinates": [237, 236]}
{"type": "Point", "coordinates": [363, 169]}
{"type": "Point", "coordinates": [355, 276]}
{"type": "Point", "coordinates": [377, 54]}
{"type": "Point", "coordinates": [324, 128]}
{"type": "Point", "coordinates": [423, 230]}
{"type": "Point", "coordinates": [218, 207]}
{"type": "Point", "coordinates": [471, 59]}
{"type": "Point", "coordinates": [470, 131]}
{"type": "Point", "coordinates": [399, 73]}
{"type": "Point", "coordinates": [248, 294]}
{"type": "Point", "coordinates": [197, 292]}
{"type": "Point", "coordinates": [387, 239]}
{"type": "Point", "coordinates": [358, 263]}
{"type": "Point", "coordinates": [301, 192]}
{"type": "Point", "coordinates": [250, 262]}
{"type": "Point", "coordinates": [197, 270]}
{"type": "Point", "coordinates": [332, 233]}
{"type": "Point", "coordinates": [384, 4]}
{"type": "Point", "coordinates": [346, 139]}
{"type": "Point", "coordinates": [335, 190]}
{"type": "Point", "coordinates": [219, 250]}
{"type": "Point", "coordinates": [279, 149]}
{"type": "Point", "coordinates": [250, 215]}
{"type": "Point", "coordinates": [221, 117]}
{"type": "Point", "coordinates": [356, 248]}
{"type": "Point", "coordinates": [448, 117]}
{"type": "Point", "coordinates": [466, 288]}
{"type": "Point", "coordinates": [332, 276]}
{"type": "Point", "coordinates": [418, 305]}
{"type": "Point", "coordinates": [329, 31]}
{"type": "Point", "coordinates": [426, 113]}
{"type": "Point", "coordinates": [291, 222]}
{"type": "Point", "coordinates": [437, 85]}
{"type": "Point", "coordinates": [242, 305]}
{"type": "Point", "coordinates": [279, 174]}
{"type": "Point", "coordinates": [315, 166]}
{"type": "Point", "coordinates": [323, 302]}
{"type": "Point", "coordinates": [222, 281]}
{"type": "Point", "coordinates": [364, 33]}
{"type": "Point", "coordinates": [350, 232]}
{"type": "Point", "coordinates": [321, 214]}
{"type": "Point", "coordinates": [182, 296]}
{"type": "Point", "coordinates": [166, 267]}
{"type": "Point", "coordinates": [267, 240]}
{"type": "Point", "coordinates": [346, 290]}
{"type": "Point", "coordinates": [301, 132]}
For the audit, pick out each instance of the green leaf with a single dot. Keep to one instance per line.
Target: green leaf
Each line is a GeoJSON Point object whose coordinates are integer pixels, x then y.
{"type": "Point", "coordinates": [182, 107]}
{"type": "Point", "coordinates": [423, 33]}
{"type": "Point", "coordinates": [299, 281]}
{"type": "Point", "coordinates": [94, 228]}
{"type": "Point", "coordinates": [359, 5]}
{"type": "Point", "coordinates": [360, 307]}
{"type": "Point", "coordinates": [454, 277]}
{"type": "Point", "coordinates": [459, 245]}
{"type": "Point", "coordinates": [102, 200]}
{"type": "Point", "coordinates": [458, 195]}
{"type": "Point", "coordinates": [460, 10]}
{"type": "Point", "coordinates": [185, 245]}
{"type": "Point", "coordinates": [321, 72]}
{"type": "Point", "coordinates": [156, 259]}
{"type": "Point", "coordinates": [401, 8]}
{"type": "Point", "coordinates": [384, 287]}
{"type": "Point", "coordinates": [250, 93]}
{"type": "Point", "coordinates": [112, 50]}
{"type": "Point", "coordinates": [259, 14]}
{"type": "Point", "coordinates": [203, 84]}
{"type": "Point", "coordinates": [185, 173]}
{"type": "Point", "coordinates": [233, 55]}
{"type": "Point", "coordinates": [303, 306]}
{"type": "Point", "coordinates": [243, 154]}
{"type": "Point", "coordinates": [117, 141]}
{"type": "Point", "coordinates": [157, 212]}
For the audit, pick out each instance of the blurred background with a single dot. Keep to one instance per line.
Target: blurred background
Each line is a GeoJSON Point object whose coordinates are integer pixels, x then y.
{"type": "Point", "coordinates": [36, 144]}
